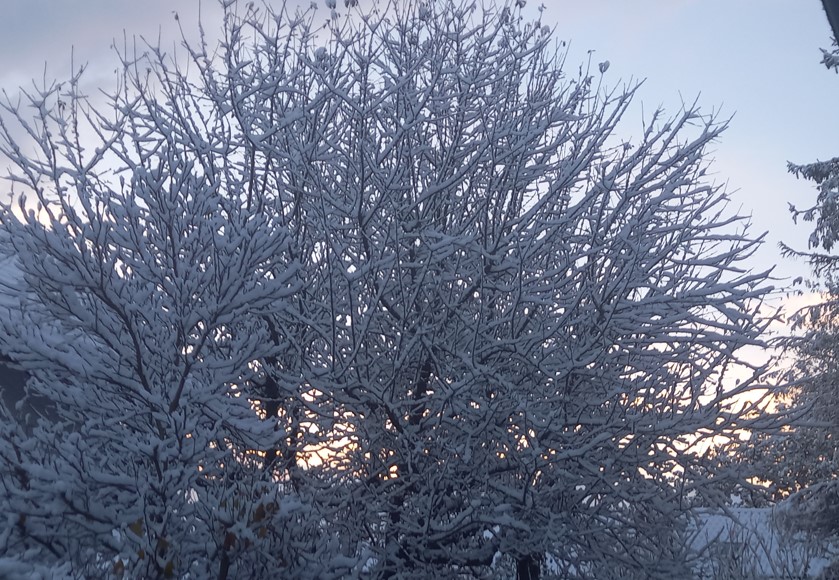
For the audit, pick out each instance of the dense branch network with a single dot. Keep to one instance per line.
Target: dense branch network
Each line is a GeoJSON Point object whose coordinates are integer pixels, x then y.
{"type": "Point", "coordinates": [388, 297]}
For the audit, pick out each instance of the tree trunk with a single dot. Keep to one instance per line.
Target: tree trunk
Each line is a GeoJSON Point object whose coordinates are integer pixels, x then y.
{"type": "Point", "coordinates": [529, 567]}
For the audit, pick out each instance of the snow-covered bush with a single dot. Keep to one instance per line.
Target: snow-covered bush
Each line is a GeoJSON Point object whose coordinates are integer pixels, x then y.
{"type": "Point", "coordinates": [814, 509]}
{"type": "Point", "coordinates": [755, 543]}
{"type": "Point", "coordinates": [388, 297]}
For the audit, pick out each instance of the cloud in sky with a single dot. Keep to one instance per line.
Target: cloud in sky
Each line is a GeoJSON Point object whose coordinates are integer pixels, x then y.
{"type": "Point", "coordinates": [35, 32]}
{"type": "Point", "coordinates": [756, 59]}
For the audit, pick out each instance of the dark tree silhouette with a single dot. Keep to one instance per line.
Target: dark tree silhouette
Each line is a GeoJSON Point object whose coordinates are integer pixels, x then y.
{"type": "Point", "coordinates": [831, 8]}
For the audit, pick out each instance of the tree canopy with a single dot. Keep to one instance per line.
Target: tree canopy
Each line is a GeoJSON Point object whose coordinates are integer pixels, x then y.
{"type": "Point", "coordinates": [390, 297]}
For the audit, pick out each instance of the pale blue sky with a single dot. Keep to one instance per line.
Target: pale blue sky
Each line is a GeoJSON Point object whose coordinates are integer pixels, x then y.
{"type": "Point", "coordinates": [755, 59]}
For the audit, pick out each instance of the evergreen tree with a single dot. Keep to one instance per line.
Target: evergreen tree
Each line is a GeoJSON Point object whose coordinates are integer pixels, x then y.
{"type": "Point", "coordinates": [807, 451]}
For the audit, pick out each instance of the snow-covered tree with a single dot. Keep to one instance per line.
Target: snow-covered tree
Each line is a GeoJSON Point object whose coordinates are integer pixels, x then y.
{"type": "Point", "coordinates": [388, 297]}
{"type": "Point", "coordinates": [807, 452]}
{"type": "Point", "coordinates": [145, 298]}
{"type": "Point", "coordinates": [825, 175]}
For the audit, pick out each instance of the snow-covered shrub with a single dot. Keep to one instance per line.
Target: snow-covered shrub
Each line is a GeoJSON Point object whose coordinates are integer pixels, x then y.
{"type": "Point", "coordinates": [814, 509]}
{"type": "Point", "coordinates": [755, 543]}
